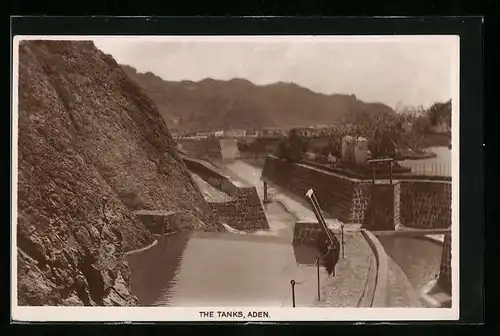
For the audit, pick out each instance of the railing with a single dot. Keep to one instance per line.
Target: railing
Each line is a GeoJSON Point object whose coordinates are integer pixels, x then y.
{"type": "Point", "coordinates": [428, 168]}
{"type": "Point", "coordinates": [389, 162]}
{"type": "Point", "coordinates": [293, 283]}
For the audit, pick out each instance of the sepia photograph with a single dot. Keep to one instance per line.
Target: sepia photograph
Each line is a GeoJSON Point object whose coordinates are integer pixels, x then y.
{"type": "Point", "coordinates": [235, 178]}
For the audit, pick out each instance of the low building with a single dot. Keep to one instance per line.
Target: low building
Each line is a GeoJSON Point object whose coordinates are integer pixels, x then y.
{"type": "Point", "coordinates": [235, 133]}
{"type": "Point", "coordinates": [205, 134]}
{"type": "Point", "coordinates": [252, 133]}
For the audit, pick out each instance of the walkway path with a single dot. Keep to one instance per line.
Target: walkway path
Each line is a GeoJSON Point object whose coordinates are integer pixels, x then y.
{"type": "Point", "coordinates": [296, 206]}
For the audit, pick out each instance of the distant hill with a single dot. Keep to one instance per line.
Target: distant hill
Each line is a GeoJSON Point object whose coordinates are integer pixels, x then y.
{"type": "Point", "coordinates": [238, 103]}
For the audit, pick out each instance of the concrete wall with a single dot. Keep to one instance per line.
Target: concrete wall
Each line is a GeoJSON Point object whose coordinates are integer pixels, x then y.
{"type": "Point", "coordinates": [229, 149]}
{"type": "Point", "coordinates": [246, 212]}
{"type": "Point", "coordinates": [210, 148]}
{"type": "Point", "coordinates": [203, 149]}
{"type": "Point", "coordinates": [417, 204]}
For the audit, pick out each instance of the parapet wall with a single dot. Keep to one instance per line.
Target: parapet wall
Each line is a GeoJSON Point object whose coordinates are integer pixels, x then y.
{"type": "Point", "coordinates": [245, 212]}
{"type": "Point", "coordinates": [416, 204]}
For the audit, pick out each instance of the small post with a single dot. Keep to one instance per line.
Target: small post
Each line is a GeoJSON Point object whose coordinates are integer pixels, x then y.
{"type": "Point", "coordinates": [265, 191]}
{"type": "Point", "coordinates": [342, 239]}
{"type": "Point", "coordinates": [317, 267]}
{"type": "Point", "coordinates": [293, 292]}
{"type": "Point", "coordinates": [390, 172]}
{"type": "Point", "coordinates": [373, 173]}
{"type": "Point", "coordinates": [333, 264]}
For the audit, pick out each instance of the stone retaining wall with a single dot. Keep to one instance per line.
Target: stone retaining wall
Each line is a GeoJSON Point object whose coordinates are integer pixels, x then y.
{"type": "Point", "coordinates": [384, 206]}
{"type": "Point", "coordinates": [416, 203]}
{"type": "Point", "coordinates": [343, 198]}
{"type": "Point", "coordinates": [245, 212]}
{"type": "Point", "coordinates": [426, 204]}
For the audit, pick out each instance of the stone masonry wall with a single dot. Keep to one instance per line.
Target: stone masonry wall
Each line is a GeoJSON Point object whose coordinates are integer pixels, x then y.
{"type": "Point", "coordinates": [360, 201]}
{"type": "Point", "coordinates": [306, 233]}
{"type": "Point", "coordinates": [417, 204]}
{"type": "Point", "coordinates": [246, 212]}
{"type": "Point", "coordinates": [341, 197]}
{"type": "Point", "coordinates": [384, 206]}
{"type": "Point", "coordinates": [426, 204]}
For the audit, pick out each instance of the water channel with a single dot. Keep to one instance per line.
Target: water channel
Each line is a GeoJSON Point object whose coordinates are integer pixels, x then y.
{"type": "Point", "coordinates": [418, 258]}
{"type": "Point", "coordinates": [229, 269]}
{"type": "Point", "coordinates": [253, 269]}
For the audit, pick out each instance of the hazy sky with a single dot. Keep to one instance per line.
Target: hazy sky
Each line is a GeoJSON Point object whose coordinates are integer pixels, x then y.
{"type": "Point", "coordinates": [409, 71]}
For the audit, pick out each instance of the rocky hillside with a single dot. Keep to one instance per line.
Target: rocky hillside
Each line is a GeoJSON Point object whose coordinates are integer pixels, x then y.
{"type": "Point", "coordinates": [213, 104]}
{"type": "Point", "coordinates": [92, 147]}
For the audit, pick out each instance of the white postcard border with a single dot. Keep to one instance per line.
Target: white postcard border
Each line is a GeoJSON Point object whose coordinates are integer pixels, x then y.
{"type": "Point", "coordinates": [149, 314]}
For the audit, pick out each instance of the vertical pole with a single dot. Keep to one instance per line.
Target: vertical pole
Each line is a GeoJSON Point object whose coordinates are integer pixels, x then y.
{"type": "Point", "coordinates": [373, 173]}
{"type": "Point", "coordinates": [317, 267]}
{"type": "Point", "coordinates": [390, 172]}
{"type": "Point", "coordinates": [265, 191]}
{"type": "Point", "coordinates": [333, 264]}
{"type": "Point", "coordinates": [342, 238]}
{"type": "Point", "coordinates": [293, 292]}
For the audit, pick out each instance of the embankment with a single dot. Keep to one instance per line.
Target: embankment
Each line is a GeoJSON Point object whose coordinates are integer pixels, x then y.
{"type": "Point", "coordinates": [92, 148]}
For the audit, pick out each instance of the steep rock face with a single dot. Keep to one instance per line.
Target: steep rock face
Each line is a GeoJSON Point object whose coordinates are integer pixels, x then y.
{"type": "Point", "coordinates": [91, 148]}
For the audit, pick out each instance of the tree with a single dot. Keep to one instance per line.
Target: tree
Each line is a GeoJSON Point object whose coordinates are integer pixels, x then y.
{"type": "Point", "coordinates": [383, 130]}
{"type": "Point", "coordinates": [439, 113]}
{"type": "Point", "coordinates": [292, 147]}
